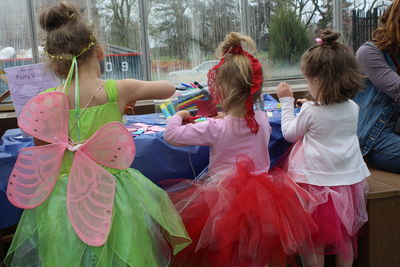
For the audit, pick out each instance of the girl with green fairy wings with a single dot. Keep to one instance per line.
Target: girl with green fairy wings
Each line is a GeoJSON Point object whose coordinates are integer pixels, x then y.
{"type": "Point", "coordinates": [145, 228]}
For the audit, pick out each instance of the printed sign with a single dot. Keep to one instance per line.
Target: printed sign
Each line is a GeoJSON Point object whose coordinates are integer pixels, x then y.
{"type": "Point", "coordinates": [25, 82]}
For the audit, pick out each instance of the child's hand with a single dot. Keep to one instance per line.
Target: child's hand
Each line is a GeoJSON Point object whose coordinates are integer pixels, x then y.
{"type": "Point", "coordinates": [300, 102]}
{"type": "Point", "coordinates": [184, 114]}
{"type": "Point", "coordinates": [284, 90]}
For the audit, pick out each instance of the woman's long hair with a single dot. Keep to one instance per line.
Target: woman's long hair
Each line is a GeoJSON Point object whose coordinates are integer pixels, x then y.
{"type": "Point", "coordinates": [387, 36]}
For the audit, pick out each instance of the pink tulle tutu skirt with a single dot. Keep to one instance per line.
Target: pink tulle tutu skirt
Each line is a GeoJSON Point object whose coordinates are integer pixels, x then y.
{"type": "Point", "coordinates": [243, 218]}
{"type": "Point", "coordinates": [340, 213]}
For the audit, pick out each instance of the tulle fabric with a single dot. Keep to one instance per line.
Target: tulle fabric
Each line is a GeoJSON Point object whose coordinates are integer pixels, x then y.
{"type": "Point", "coordinates": [243, 218]}
{"type": "Point", "coordinates": [145, 231]}
{"type": "Point", "coordinates": [340, 213]}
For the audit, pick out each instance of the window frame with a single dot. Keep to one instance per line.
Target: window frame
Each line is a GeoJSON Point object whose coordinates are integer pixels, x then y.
{"type": "Point", "coordinates": [144, 12]}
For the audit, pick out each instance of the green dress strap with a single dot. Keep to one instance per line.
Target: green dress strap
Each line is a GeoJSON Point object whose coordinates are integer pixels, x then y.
{"type": "Point", "coordinates": [110, 86]}
{"type": "Point", "coordinates": [49, 90]}
{"type": "Point", "coordinates": [111, 89]}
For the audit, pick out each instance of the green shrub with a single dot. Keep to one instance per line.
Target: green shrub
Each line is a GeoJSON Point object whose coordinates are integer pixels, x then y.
{"type": "Point", "coordinates": [288, 37]}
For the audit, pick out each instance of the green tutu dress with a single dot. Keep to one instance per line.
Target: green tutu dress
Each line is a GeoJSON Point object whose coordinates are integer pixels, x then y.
{"type": "Point", "coordinates": [146, 229]}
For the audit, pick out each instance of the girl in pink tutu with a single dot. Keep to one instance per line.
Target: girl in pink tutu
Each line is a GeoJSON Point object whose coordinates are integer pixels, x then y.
{"type": "Point", "coordinates": [239, 214]}
{"type": "Point", "coordinates": [326, 159]}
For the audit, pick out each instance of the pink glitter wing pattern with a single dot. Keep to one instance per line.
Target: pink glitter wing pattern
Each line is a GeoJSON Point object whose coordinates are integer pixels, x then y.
{"type": "Point", "coordinates": [34, 175]}
{"type": "Point", "coordinates": [37, 168]}
{"type": "Point", "coordinates": [111, 146]}
{"type": "Point", "coordinates": [46, 117]}
{"type": "Point", "coordinates": [90, 195]}
{"type": "Point", "coordinates": [90, 200]}
{"type": "Point", "coordinates": [90, 190]}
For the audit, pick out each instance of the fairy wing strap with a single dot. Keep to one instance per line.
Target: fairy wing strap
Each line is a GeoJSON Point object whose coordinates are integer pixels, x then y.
{"type": "Point", "coordinates": [90, 192]}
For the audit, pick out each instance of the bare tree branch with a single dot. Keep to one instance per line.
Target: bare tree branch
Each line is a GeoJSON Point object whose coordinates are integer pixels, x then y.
{"type": "Point", "coordinates": [373, 4]}
{"type": "Point", "coordinates": [311, 17]}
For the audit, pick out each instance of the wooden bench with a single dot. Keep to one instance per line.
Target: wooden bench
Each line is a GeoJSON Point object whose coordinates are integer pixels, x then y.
{"type": "Point", "coordinates": [379, 242]}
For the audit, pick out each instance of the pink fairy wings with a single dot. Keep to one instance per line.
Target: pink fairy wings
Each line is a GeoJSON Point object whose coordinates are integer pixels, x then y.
{"type": "Point", "coordinates": [46, 117]}
{"type": "Point", "coordinates": [90, 199]}
{"type": "Point", "coordinates": [36, 170]}
{"type": "Point", "coordinates": [90, 191]}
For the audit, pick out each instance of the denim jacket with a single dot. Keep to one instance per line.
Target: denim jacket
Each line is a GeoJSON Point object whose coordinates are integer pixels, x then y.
{"type": "Point", "coordinates": [376, 109]}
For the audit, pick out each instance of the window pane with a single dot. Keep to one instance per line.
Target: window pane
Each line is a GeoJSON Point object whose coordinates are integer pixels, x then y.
{"type": "Point", "coordinates": [283, 30]}
{"type": "Point", "coordinates": [119, 28]}
{"type": "Point", "coordinates": [183, 36]}
{"type": "Point", "coordinates": [15, 44]}
{"type": "Point", "coordinates": [360, 19]}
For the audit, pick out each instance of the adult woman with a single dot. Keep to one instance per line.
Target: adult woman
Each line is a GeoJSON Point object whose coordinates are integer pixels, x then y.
{"type": "Point", "coordinates": [379, 120]}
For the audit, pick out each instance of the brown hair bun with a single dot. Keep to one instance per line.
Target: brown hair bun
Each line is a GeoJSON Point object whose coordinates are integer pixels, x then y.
{"type": "Point", "coordinates": [55, 17]}
{"type": "Point", "coordinates": [68, 35]}
{"type": "Point", "coordinates": [328, 36]}
{"type": "Point", "coordinates": [335, 66]}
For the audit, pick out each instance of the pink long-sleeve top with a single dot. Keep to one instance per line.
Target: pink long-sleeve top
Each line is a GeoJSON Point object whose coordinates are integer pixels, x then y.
{"type": "Point", "coordinates": [227, 138]}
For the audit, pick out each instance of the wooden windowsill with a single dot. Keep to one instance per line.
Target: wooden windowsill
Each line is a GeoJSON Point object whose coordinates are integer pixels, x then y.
{"type": "Point", "coordinates": [6, 107]}
{"type": "Point", "coordinates": [7, 115]}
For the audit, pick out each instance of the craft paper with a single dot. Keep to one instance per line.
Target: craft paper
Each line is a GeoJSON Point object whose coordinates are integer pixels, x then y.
{"type": "Point", "coordinates": [141, 125]}
{"type": "Point", "coordinates": [156, 129]}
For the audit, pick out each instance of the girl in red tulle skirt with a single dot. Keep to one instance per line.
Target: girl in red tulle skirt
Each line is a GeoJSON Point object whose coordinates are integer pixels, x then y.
{"type": "Point", "coordinates": [326, 159]}
{"type": "Point", "coordinates": [239, 214]}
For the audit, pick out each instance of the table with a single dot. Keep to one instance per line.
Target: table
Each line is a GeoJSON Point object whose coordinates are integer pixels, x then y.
{"type": "Point", "coordinates": [156, 159]}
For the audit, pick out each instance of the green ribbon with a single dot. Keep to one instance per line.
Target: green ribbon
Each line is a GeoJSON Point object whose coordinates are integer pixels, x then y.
{"type": "Point", "coordinates": [74, 68]}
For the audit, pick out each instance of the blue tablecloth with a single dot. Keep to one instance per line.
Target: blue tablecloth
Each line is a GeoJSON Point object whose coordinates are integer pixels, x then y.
{"type": "Point", "coordinates": [156, 159]}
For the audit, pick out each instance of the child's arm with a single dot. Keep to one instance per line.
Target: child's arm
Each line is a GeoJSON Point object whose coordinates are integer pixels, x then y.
{"type": "Point", "coordinates": [131, 90]}
{"type": "Point", "coordinates": [293, 128]}
{"type": "Point", "coordinates": [204, 133]}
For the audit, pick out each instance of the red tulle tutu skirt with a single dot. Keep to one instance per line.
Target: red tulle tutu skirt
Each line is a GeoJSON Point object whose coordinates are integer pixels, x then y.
{"type": "Point", "coordinates": [340, 213]}
{"type": "Point", "coordinates": [243, 218]}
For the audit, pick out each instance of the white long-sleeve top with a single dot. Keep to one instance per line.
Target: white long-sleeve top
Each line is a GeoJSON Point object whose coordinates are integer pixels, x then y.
{"type": "Point", "coordinates": [327, 151]}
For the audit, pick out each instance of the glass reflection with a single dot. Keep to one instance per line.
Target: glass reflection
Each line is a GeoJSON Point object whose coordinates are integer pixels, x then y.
{"type": "Point", "coordinates": [15, 44]}
{"type": "Point", "coordinates": [184, 34]}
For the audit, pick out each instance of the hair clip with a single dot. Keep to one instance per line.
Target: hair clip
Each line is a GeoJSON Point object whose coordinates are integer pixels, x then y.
{"type": "Point", "coordinates": [319, 41]}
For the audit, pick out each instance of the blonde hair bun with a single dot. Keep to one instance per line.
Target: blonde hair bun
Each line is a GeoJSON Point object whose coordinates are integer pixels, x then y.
{"type": "Point", "coordinates": [234, 39]}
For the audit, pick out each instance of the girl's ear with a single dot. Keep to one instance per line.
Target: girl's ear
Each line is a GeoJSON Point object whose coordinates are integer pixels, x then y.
{"type": "Point", "coordinates": [100, 52]}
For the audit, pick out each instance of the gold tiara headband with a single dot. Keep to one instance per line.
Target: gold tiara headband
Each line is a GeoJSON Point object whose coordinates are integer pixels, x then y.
{"type": "Point", "coordinates": [70, 57]}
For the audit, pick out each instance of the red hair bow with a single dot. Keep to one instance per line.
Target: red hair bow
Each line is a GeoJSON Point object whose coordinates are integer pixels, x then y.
{"type": "Point", "coordinates": [257, 79]}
